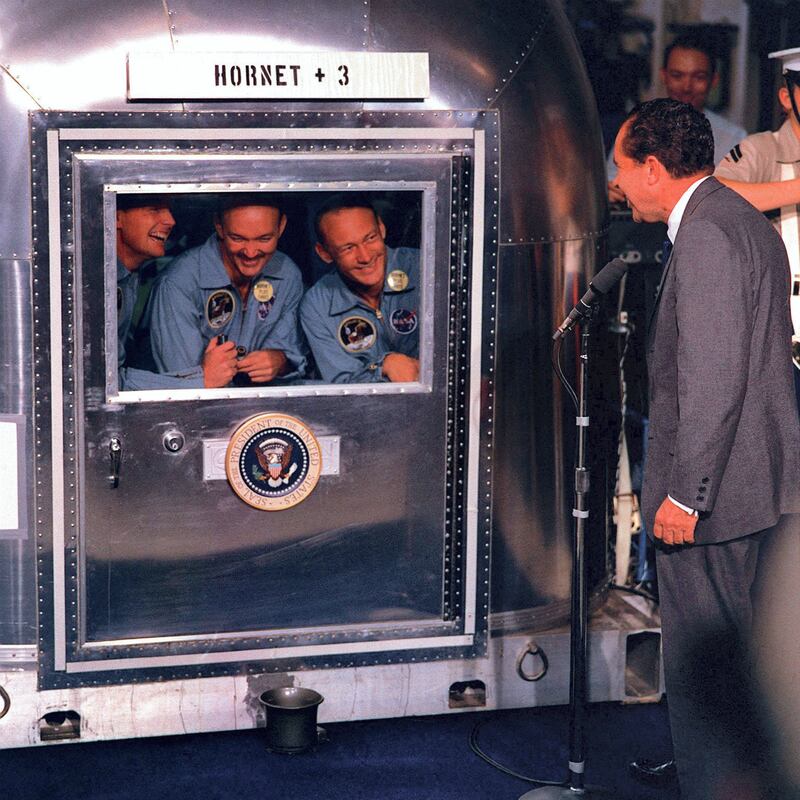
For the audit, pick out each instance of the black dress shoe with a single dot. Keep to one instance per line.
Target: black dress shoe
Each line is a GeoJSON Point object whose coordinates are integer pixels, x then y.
{"type": "Point", "coordinates": [654, 772]}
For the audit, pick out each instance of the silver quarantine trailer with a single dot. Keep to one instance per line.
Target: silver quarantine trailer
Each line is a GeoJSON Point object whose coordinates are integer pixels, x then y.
{"type": "Point", "coordinates": [170, 551]}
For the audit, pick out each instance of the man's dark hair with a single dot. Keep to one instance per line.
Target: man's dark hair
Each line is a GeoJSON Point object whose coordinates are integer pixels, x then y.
{"type": "Point", "coordinates": [339, 202]}
{"type": "Point", "coordinates": [693, 40]}
{"type": "Point", "coordinates": [678, 135]}
{"type": "Point", "coordinates": [125, 202]}
{"type": "Point", "coordinates": [230, 200]}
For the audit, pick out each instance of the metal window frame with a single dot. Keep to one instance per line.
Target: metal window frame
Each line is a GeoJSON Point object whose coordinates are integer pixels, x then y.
{"type": "Point", "coordinates": [431, 132]}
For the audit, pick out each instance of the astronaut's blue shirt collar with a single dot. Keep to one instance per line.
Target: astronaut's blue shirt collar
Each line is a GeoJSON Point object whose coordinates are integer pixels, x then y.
{"type": "Point", "coordinates": [122, 271]}
{"type": "Point", "coordinates": [212, 273]}
{"type": "Point", "coordinates": [343, 298]}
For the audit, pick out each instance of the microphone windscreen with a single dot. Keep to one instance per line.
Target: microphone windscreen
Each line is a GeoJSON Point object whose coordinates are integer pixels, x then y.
{"type": "Point", "coordinates": [608, 277]}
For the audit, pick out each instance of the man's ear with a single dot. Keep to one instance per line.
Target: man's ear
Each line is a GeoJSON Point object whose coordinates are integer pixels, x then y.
{"type": "Point", "coordinates": [381, 227]}
{"type": "Point", "coordinates": [282, 225]}
{"type": "Point", "coordinates": [654, 168]}
{"type": "Point", "coordinates": [119, 220]}
{"type": "Point", "coordinates": [218, 229]}
{"type": "Point", "coordinates": [323, 253]}
{"type": "Point", "coordinates": [714, 81]}
{"type": "Point", "coordinates": [784, 99]}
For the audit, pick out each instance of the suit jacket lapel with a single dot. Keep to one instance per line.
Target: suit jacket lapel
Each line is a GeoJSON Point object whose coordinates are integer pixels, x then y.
{"type": "Point", "coordinates": [702, 191]}
{"type": "Point", "coordinates": [660, 289]}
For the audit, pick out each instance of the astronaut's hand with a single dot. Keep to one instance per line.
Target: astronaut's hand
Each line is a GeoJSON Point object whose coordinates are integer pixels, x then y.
{"type": "Point", "coordinates": [400, 368]}
{"type": "Point", "coordinates": [262, 366]}
{"type": "Point", "coordinates": [219, 363]}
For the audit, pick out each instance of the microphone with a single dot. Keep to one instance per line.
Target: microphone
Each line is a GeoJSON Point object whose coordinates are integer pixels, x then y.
{"type": "Point", "coordinates": [606, 279]}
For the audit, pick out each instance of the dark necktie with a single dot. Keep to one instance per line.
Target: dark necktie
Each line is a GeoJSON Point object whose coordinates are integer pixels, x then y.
{"type": "Point", "coordinates": [666, 249]}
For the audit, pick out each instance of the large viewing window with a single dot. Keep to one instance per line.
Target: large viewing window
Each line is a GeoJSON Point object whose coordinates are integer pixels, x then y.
{"type": "Point", "coordinates": [164, 312]}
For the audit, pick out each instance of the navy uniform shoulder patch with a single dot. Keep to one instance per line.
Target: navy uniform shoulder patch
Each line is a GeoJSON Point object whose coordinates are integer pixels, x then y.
{"type": "Point", "coordinates": [735, 153]}
{"type": "Point", "coordinates": [357, 334]}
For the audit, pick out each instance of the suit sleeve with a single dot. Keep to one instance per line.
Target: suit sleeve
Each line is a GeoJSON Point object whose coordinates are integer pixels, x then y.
{"type": "Point", "coordinates": [714, 314]}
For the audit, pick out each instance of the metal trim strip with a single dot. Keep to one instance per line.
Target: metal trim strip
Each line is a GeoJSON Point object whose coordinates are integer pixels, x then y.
{"type": "Point", "coordinates": [295, 155]}
{"type": "Point", "coordinates": [160, 395]}
{"type": "Point", "coordinates": [476, 346]}
{"type": "Point", "coordinates": [14, 654]}
{"type": "Point", "coordinates": [418, 626]}
{"type": "Point", "coordinates": [284, 134]}
{"type": "Point", "coordinates": [56, 400]}
{"type": "Point", "coordinates": [263, 655]}
{"type": "Point", "coordinates": [294, 185]}
{"type": "Point", "coordinates": [427, 248]}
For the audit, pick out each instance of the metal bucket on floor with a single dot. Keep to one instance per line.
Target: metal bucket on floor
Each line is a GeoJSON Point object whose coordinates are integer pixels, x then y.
{"type": "Point", "coordinates": [291, 718]}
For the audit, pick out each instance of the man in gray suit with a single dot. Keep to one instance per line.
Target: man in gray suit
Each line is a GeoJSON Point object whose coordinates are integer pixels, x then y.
{"type": "Point", "coordinates": [723, 465]}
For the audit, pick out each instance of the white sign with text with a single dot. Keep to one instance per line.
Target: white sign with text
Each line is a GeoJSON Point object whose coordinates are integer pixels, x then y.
{"type": "Point", "coordinates": [278, 76]}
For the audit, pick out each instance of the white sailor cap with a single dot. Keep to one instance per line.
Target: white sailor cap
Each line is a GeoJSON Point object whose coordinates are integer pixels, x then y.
{"type": "Point", "coordinates": [790, 59]}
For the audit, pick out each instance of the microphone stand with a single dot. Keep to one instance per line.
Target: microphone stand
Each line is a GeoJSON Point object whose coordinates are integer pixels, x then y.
{"type": "Point", "coordinates": [579, 598]}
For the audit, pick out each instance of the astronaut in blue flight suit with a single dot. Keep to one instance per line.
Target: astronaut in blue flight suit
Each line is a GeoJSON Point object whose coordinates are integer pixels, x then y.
{"type": "Point", "coordinates": [361, 319]}
{"type": "Point", "coordinates": [228, 308]}
{"type": "Point", "coordinates": [144, 223]}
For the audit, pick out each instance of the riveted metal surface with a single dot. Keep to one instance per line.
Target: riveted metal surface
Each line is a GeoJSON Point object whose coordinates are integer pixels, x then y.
{"type": "Point", "coordinates": [15, 194]}
{"type": "Point", "coordinates": [280, 25]}
{"type": "Point", "coordinates": [60, 55]}
{"type": "Point", "coordinates": [72, 55]}
{"type": "Point", "coordinates": [553, 184]}
{"type": "Point", "coordinates": [474, 47]}
{"type": "Point", "coordinates": [545, 158]}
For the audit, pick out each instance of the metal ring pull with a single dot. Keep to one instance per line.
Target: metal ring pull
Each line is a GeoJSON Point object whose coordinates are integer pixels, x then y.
{"type": "Point", "coordinates": [534, 650]}
{"type": "Point", "coordinates": [6, 702]}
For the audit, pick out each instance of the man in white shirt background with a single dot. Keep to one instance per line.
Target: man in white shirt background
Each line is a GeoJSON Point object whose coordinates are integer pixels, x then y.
{"type": "Point", "coordinates": [689, 74]}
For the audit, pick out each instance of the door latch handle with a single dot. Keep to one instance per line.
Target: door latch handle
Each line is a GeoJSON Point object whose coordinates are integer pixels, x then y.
{"type": "Point", "coordinates": [115, 454]}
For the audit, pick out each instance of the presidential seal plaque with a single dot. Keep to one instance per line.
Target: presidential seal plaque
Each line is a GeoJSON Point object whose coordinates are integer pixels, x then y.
{"type": "Point", "coordinates": [273, 461]}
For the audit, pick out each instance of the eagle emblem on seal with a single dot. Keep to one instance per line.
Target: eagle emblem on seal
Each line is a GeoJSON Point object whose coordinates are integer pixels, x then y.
{"type": "Point", "coordinates": [275, 458]}
{"type": "Point", "coordinates": [273, 461]}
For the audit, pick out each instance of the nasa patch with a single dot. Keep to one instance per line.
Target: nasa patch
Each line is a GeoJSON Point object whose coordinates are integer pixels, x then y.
{"type": "Point", "coordinates": [219, 308]}
{"type": "Point", "coordinates": [403, 321]}
{"type": "Point", "coordinates": [357, 334]}
{"type": "Point", "coordinates": [273, 462]}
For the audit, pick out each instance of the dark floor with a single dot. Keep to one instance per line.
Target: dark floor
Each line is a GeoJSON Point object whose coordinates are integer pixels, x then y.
{"type": "Point", "coordinates": [420, 758]}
